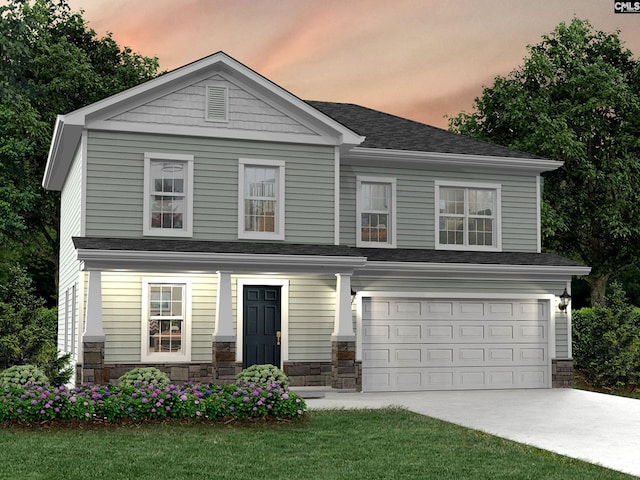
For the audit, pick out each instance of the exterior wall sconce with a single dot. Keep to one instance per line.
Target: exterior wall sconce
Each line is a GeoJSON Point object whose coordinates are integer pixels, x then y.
{"type": "Point", "coordinates": [353, 295]}
{"type": "Point", "coordinates": [565, 298]}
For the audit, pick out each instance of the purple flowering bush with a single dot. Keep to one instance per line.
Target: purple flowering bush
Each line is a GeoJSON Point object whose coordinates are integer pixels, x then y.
{"type": "Point", "coordinates": [108, 403]}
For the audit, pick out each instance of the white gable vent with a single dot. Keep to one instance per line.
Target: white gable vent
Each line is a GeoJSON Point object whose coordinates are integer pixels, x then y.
{"type": "Point", "coordinates": [217, 100]}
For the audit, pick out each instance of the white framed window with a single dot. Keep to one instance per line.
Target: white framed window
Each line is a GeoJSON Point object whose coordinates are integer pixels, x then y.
{"type": "Point", "coordinates": [468, 216]}
{"type": "Point", "coordinates": [261, 199]}
{"type": "Point", "coordinates": [376, 211]}
{"type": "Point", "coordinates": [168, 195]}
{"type": "Point", "coordinates": [166, 319]}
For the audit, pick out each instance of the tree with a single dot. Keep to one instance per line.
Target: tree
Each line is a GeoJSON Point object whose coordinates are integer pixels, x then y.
{"type": "Point", "coordinates": [606, 342]}
{"type": "Point", "coordinates": [576, 99]}
{"type": "Point", "coordinates": [50, 63]}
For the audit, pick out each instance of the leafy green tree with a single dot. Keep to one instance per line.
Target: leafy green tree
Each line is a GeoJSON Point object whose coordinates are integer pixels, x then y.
{"type": "Point", "coordinates": [576, 99]}
{"type": "Point", "coordinates": [50, 63]}
{"type": "Point", "coordinates": [27, 327]}
{"type": "Point", "coordinates": [606, 341]}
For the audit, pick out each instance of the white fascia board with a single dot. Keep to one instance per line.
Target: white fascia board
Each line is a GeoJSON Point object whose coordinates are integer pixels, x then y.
{"type": "Point", "coordinates": [65, 141]}
{"type": "Point", "coordinates": [464, 269]}
{"type": "Point", "coordinates": [197, 262]}
{"type": "Point", "coordinates": [210, 132]}
{"type": "Point", "coordinates": [449, 161]}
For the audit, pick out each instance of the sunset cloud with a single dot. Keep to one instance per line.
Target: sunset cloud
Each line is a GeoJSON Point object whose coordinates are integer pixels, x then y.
{"type": "Point", "coordinates": [417, 58]}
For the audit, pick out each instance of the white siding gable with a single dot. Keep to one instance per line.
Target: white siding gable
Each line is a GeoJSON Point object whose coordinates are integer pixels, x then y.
{"type": "Point", "coordinates": [186, 107]}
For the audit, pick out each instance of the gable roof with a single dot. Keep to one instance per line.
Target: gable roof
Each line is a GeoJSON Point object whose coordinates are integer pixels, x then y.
{"type": "Point", "coordinates": [68, 128]}
{"type": "Point", "coordinates": [386, 131]}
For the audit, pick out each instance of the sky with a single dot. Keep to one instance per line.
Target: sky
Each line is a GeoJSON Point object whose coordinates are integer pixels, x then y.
{"type": "Point", "coordinates": [420, 59]}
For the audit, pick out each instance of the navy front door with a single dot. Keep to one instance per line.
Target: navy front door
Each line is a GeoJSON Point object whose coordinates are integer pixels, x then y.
{"type": "Point", "coordinates": [262, 329]}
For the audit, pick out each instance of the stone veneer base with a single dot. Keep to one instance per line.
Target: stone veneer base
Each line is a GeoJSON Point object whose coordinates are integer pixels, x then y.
{"type": "Point", "coordinates": [562, 373]}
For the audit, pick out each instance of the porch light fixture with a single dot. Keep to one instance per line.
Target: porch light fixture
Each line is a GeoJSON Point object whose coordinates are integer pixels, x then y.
{"type": "Point", "coordinates": [564, 300]}
{"type": "Point", "coordinates": [353, 295]}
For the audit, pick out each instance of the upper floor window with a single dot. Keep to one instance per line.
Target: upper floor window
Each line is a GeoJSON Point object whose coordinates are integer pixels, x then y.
{"type": "Point", "coordinates": [165, 322]}
{"type": "Point", "coordinates": [168, 196]}
{"type": "Point", "coordinates": [468, 216]}
{"type": "Point", "coordinates": [375, 210]}
{"type": "Point", "coordinates": [261, 199]}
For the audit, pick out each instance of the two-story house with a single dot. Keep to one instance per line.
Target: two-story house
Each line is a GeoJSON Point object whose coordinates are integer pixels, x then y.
{"type": "Point", "coordinates": [211, 220]}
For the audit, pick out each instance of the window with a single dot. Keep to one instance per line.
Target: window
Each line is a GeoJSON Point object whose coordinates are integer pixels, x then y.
{"type": "Point", "coordinates": [165, 323]}
{"type": "Point", "coordinates": [468, 216]}
{"type": "Point", "coordinates": [375, 210]}
{"type": "Point", "coordinates": [168, 202]}
{"type": "Point", "coordinates": [261, 199]}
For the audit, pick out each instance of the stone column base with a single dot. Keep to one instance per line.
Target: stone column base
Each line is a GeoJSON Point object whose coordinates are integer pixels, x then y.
{"type": "Point", "coordinates": [346, 372]}
{"type": "Point", "coordinates": [562, 373]}
{"type": "Point", "coordinates": [92, 369]}
{"type": "Point", "coordinates": [225, 367]}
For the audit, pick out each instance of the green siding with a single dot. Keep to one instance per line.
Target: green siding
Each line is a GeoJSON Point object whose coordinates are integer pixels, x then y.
{"type": "Point", "coordinates": [416, 210]}
{"type": "Point", "coordinates": [70, 226]}
{"type": "Point", "coordinates": [116, 175]}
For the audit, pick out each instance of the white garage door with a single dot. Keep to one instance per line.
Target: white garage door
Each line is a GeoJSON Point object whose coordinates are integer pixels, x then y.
{"type": "Point", "coordinates": [442, 344]}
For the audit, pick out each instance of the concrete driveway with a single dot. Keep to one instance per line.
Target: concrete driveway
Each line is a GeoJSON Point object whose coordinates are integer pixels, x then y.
{"type": "Point", "coordinates": [601, 429]}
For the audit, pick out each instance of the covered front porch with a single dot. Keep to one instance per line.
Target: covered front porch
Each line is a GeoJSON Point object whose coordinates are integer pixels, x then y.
{"type": "Point", "coordinates": [217, 281]}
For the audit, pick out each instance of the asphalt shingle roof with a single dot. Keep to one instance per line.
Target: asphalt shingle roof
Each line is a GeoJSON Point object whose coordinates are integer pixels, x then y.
{"type": "Point", "coordinates": [386, 131]}
{"type": "Point", "coordinates": [372, 254]}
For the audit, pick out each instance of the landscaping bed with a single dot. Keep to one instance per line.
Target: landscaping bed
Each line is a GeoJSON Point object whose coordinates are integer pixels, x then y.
{"type": "Point", "coordinates": [107, 404]}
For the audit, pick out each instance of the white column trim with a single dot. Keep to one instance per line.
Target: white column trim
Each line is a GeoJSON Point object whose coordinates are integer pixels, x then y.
{"type": "Point", "coordinates": [93, 328]}
{"type": "Point", "coordinates": [343, 326]}
{"type": "Point", "coordinates": [223, 330]}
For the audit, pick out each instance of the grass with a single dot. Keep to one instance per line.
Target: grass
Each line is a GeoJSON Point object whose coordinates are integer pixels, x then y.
{"type": "Point", "coordinates": [340, 444]}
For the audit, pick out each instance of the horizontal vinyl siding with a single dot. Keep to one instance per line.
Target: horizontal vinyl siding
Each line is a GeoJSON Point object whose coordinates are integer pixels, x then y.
{"type": "Point", "coordinates": [116, 176]}
{"type": "Point", "coordinates": [415, 222]}
{"type": "Point", "coordinates": [311, 318]}
{"type": "Point", "coordinates": [70, 226]}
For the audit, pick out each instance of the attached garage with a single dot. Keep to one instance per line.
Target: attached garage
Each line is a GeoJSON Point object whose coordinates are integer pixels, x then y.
{"type": "Point", "coordinates": [414, 343]}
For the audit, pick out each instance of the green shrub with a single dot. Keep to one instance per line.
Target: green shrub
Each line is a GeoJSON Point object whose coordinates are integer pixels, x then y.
{"type": "Point", "coordinates": [143, 376]}
{"type": "Point", "coordinates": [606, 342]}
{"type": "Point", "coordinates": [20, 376]}
{"type": "Point", "coordinates": [264, 374]}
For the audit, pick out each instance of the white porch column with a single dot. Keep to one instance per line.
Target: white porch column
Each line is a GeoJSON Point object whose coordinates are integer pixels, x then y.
{"type": "Point", "coordinates": [343, 326]}
{"type": "Point", "coordinates": [223, 331]}
{"type": "Point", "coordinates": [93, 330]}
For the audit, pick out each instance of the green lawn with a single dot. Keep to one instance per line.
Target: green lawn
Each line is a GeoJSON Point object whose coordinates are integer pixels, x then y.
{"type": "Point", "coordinates": [342, 444]}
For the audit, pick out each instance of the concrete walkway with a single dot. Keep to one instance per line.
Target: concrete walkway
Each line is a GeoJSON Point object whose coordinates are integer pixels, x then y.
{"type": "Point", "coordinates": [601, 429]}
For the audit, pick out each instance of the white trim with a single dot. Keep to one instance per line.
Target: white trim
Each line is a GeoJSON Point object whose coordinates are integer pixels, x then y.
{"type": "Point", "coordinates": [391, 242]}
{"type": "Point", "coordinates": [132, 260]}
{"type": "Point", "coordinates": [449, 161]}
{"type": "Point", "coordinates": [284, 314]}
{"type": "Point", "coordinates": [336, 196]}
{"type": "Point", "coordinates": [469, 269]}
{"type": "Point", "coordinates": [538, 216]}
{"type": "Point", "coordinates": [569, 324]}
{"type": "Point", "coordinates": [83, 173]}
{"type": "Point", "coordinates": [497, 228]}
{"type": "Point", "coordinates": [187, 226]}
{"type": "Point", "coordinates": [279, 233]}
{"type": "Point", "coordinates": [185, 355]}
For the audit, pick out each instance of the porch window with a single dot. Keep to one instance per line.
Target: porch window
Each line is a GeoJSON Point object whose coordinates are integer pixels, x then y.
{"type": "Point", "coordinates": [468, 216]}
{"type": "Point", "coordinates": [261, 199]}
{"type": "Point", "coordinates": [166, 320]}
